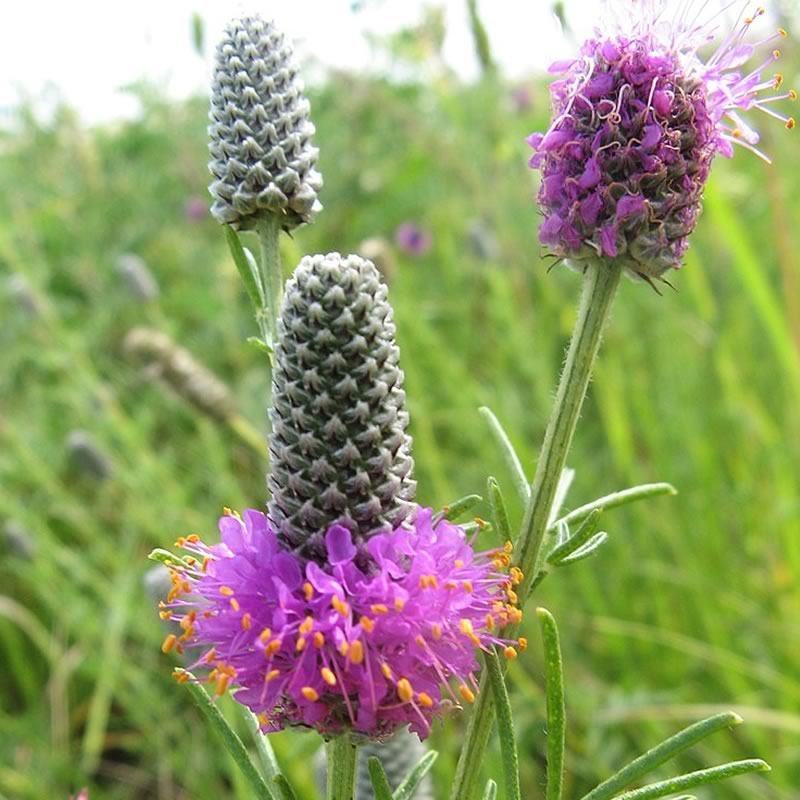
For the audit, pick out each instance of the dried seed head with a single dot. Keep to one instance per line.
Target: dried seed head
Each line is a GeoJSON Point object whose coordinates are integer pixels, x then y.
{"type": "Point", "coordinates": [339, 448]}
{"type": "Point", "coordinates": [262, 157]}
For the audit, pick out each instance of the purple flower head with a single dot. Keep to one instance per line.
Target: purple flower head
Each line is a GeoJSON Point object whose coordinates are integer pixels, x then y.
{"type": "Point", "coordinates": [638, 118]}
{"type": "Point", "coordinates": [413, 239]}
{"type": "Point", "coordinates": [369, 641]}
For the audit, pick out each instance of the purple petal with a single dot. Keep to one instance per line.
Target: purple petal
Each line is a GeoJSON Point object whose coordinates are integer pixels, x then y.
{"type": "Point", "coordinates": [339, 542]}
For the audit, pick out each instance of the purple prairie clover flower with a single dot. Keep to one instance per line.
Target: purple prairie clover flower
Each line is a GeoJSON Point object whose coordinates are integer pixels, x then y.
{"type": "Point", "coordinates": [368, 640]}
{"type": "Point", "coordinates": [413, 239]}
{"type": "Point", "coordinates": [638, 118]}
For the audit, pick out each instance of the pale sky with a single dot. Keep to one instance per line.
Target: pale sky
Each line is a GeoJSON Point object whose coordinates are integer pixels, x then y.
{"type": "Point", "coordinates": [89, 48]}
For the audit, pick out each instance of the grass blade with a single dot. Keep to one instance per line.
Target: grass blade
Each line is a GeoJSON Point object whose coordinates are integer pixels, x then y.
{"type": "Point", "coordinates": [266, 755]}
{"type": "Point", "coordinates": [693, 779]}
{"type": "Point", "coordinates": [405, 791]}
{"type": "Point", "coordinates": [617, 499]}
{"type": "Point", "coordinates": [556, 707]}
{"type": "Point", "coordinates": [505, 728]}
{"type": "Point", "coordinates": [662, 753]}
{"type": "Point", "coordinates": [233, 744]}
{"type": "Point", "coordinates": [499, 513]}
{"type": "Point", "coordinates": [509, 454]}
{"type": "Point", "coordinates": [248, 271]}
{"type": "Point", "coordinates": [377, 776]}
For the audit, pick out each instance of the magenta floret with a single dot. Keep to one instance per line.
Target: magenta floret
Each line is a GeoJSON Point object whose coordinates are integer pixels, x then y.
{"type": "Point", "coordinates": [369, 641]}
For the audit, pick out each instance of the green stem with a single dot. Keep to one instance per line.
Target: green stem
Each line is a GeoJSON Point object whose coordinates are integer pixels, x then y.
{"type": "Point", "coordinates": [600, 283]}
{"type": "Point", "coordinates": [269, 230]}
{"type": "Point", "coordinates": [341, 753]}
{"type": "Point", "coordinates": [505, 725]}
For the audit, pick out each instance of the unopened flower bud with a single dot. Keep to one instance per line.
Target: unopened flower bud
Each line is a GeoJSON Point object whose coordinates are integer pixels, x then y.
{"type": "Point", "coordinates": [262, 157]}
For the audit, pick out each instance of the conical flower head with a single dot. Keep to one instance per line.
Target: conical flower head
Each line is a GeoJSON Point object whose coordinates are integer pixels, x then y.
{"type": "Point", "coordinates": [638, 120]}
{"type": "Point", "coordinates": [339, 447]}
{"type": "Point", "coordinates": [262, 157]}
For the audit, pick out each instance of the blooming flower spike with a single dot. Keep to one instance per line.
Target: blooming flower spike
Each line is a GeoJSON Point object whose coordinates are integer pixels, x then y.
{"type": "Point", "coordinates": [349, 608]}
{"type": "Point", "coordinates": [638, 118]}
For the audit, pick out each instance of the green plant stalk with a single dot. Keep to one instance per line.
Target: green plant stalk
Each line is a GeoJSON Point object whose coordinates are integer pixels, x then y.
{"type": "Point", "coordinates": [341, 754]}
{"type": "Point", "coordinates": [269, 231]}
{"type": "Point", "coordinates": [600, 283]}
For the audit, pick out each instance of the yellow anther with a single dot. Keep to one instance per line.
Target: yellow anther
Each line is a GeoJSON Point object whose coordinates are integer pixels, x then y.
{"type": "Point", "coordinates": [481, 523]}
{"type": "Point", "coordinates": [517, 576]}
{"type": "Point", "coordinates": [306, 625]}
{"type": "Point", "coordinates": [436, 630]}
{"type": "Point", "coordinates": [379, 608]}
{"type": "Point", "coordinates": [776, 54]}
{"type": "Point", "coordinates": [263, 637]}
{"type": "Point", "coordinates": [263, 718]}
{"type": "Point", "coordinates": [512, 596]}
{"type": "Point", "coordinates": [387, 671]}
{"type": "Point", "coordinates": [272, 648]}
{"type": "Point", "coordinates": [510, 653]}
{"type": "Point", "coordinates": [226, 590]}
{"type": "Point", "coordinates": [344, 648]}
{"type": "Point", "coordinates": [367, 624]}
{"type": "Point", "coordinates": [423, 581]}
{"type": "Point", "coordinates": [508, 547]}
{"type": "Point", "coordinates": [446, 509]}
{"type": "Point", "coordinates": [222, 684]}
{"type": "Point", "coordinates": [357, 652]}
{"type": "Point", "coordinates": [465, 626]}
{"type": "Point", "coordinates": [459, 563]}
{"type": "Point", "coordinates": [782, 32]}
{"type": "Point", "coordinates": [515, 615]}
{"type": "Point", "coordinates": [169, 643]}
{"type": "Point", "coordinates": [206, 562]}
{"type": "Point", "coordinates": [193, 538]}
{"type": "Point", "coordinates": [792, 94]}
{"type": "Point", "coordinates": [419, 640]}
{"type": "Point", "coordinates": [404, 690]}
{"type": "Point", "coordinates": [450, 585]}
{"type": "Point", "coordinates": [319, 640]}
{"type": "Point", "coordinates": [185, 588]}
{"type": "Point", "coordinates": [328, 676]}
{"type": "Point", "coordinates": [310, 694]}
{"type": "Point", "coordinates": [211, 655]}
{"type": "Point", "coordinates": [234, 604]}
{"type": "Point", "coordinates": [466, 693]}
{"type": "Point", "coordinates": [425, 699]}
{"type": "Point", "coordinates": [180, 675]}
{"type": "Point", "coordinates": [341, 606]}
{"type": "Point", "coordinates": [790, 123]}
{"type": "Point", "coordinates": [433, 581]}
{"type": "Point", "coordinates": [467, 586]}
{"type": "Point", "coordinates": [180, 541]}
{"type": "Point", "coordinates": [523, 643]}
{"type": "Point", "coordinates": [165, 614]}
{"type": "Point", "coordinates": [271, 675]}
{"type": "Point", "coordinates": [399, 604]}
{"type": "Point", "coordinates": [246, 621]}
{"type": "Point", "coordinates": [489, 622]}
{"type": "Point", "coordinates": [308, 591]}
{"type": "Point", "coordinates": [191, 561]}
{"type": "Point", "coordinates": [777, 80]}
{"type": "Point", "coordinates": [301, 645]}
{"type": "Point", "coordinates": [212, 676]}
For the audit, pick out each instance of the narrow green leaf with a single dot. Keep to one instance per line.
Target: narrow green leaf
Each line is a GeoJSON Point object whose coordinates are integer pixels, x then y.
{"type": "Point", "coordinates": [266, 755]}
{"type": "Point", "coordinates": [406, 789]}
{"type": "Point", "coordinates": [499, 514]}
{"type": "Point", "coordinates": [509, 454]}
{"type": "Point", "coordinates": [617, 499]}
{"type": "Point", "coordinates": [700, 778]}
{"type": "Point", "coordinates": [589, 549]}
{"type": "Point", "coordinates": [248, 271]}
{"type": "Point", "coordinates": [490, 792]}
{"type": "Point", "coordinates": [259, 344]}
{"type": "Point", "coordinates": [556, 706]}
{"type": "Point", "coordinates": [377, 776]}
{"type": "Point", "coordinates": [455, 511]}
{"type": "Point", "coordinates": [585, 532]}
{"type": "Point", "coordinates": [233, 744]}
{"type": "Point", "coordinates": [562, 489]}
{"type": "Point", "coordinates": [284, 787]}
{"type": "Point", "coordinates": [662, 753]}
{"type": "Point", "coordinates": [167, 559]}
{"type": "Point", "coordinates": [505, 727]}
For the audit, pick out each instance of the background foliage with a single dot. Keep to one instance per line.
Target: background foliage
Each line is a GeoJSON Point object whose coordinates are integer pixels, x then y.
{"type": "Point", "coordinates": [692, 607]}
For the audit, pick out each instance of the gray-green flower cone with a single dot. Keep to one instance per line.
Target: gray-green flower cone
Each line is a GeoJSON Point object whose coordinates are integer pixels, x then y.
{"type": "Point", "coordinates": [339, 448]}
{"type": "Point", "coordinates": [262, 157]}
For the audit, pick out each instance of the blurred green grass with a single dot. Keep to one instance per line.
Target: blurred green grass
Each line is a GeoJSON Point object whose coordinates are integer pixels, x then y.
{"type": "Point", "coordinates": [694, 604]}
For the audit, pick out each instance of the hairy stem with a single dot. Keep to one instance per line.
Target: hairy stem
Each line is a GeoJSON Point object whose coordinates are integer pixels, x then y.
{"type": "Point", "coordinates": [269, 230]}
{"type": "Point", "coordinates": [341, 753]}
{"type": "Point", "coordinates": [600, 283]}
